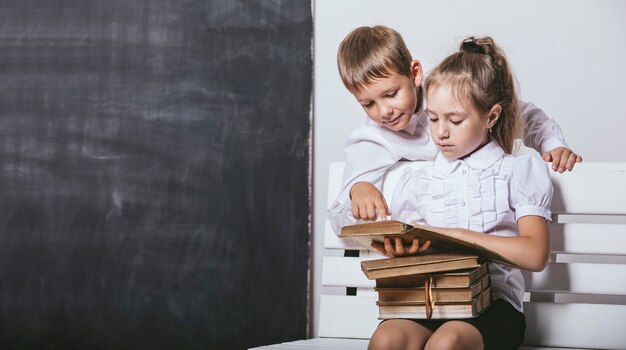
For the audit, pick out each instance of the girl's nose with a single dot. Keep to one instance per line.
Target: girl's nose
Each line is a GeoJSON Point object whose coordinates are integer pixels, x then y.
{"type": "Point", "coordinates": [442, 132]}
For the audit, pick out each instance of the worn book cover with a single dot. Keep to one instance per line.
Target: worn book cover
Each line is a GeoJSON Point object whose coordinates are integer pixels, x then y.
{"type": "Point", "coordinates": [462, 278]}
{"type": "Point", "coordinates": [364, 234]}
{"type": "Point", "coordinates": [417, 295]}
{"type": "Point", "coordinates": [418, 264]}
{"type": "Point", "coordinates": [469, 309]}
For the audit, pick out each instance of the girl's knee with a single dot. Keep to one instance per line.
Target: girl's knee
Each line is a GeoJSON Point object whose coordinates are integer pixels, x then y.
{"type": "Point", "coordinates": [399, 334]}
{"type": "Point", "coordinates": [454, 335]}
{"type": "Point", "coordinates": [387, 338]}
{"type": "Point", "coordinates": [447, 341]}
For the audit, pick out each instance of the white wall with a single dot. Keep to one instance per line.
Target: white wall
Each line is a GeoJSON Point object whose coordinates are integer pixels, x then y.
{"type": "Point", "coordinates": [569, 58]}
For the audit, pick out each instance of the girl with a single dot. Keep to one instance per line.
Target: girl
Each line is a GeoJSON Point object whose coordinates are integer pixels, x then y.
{"type": "Point", "coordinates": [478, 190]}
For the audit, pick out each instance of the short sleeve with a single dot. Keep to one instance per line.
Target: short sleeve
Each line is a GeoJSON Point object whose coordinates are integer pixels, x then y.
{"type": "Point", "coordinates": [405, 200]}
{"type": "Point", "coordinates": [531, 187]}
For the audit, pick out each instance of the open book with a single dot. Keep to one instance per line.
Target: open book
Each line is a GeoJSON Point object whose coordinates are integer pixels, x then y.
{"type": "Point", "coordinates": [364, 234]}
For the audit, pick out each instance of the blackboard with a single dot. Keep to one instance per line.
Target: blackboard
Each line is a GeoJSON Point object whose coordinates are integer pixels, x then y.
{"type": "Point", "coordinates": [154, 161]}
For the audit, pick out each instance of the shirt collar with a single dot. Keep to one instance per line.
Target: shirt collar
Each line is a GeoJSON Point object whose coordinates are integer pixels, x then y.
{"type": "Point", "coordinates": [483, 158]}
{"type": "Point", "coordinates": [412, 125]}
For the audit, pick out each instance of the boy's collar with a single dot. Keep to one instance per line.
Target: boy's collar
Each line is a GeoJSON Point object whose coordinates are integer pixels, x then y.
{"type": "Point", "coordinates": [412, 125]}
{"type": "Point", "coordinates": [483, 158]}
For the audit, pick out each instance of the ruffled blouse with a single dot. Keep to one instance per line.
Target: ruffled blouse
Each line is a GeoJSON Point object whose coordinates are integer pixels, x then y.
{"type": "Point", "coordinates": [485, 192]}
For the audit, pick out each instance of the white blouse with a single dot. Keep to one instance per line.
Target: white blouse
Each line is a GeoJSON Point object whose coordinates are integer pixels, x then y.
{"type": "Point", "coordinates": [485, 192]}
{"type": "Point", "coordinates": [372, 149]}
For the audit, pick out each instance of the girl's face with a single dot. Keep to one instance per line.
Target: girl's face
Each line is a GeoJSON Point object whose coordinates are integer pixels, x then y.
{"type": "Point", "coordinates": [456, 127]}
{"type": "Point", "coordinates": [390, 101]}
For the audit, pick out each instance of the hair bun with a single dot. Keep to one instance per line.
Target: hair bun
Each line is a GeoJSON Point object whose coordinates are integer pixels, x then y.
{"type": "Point", "coordinates": [471, 45]}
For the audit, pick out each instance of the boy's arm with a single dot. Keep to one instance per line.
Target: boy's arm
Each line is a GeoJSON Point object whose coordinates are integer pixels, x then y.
{"type": "Point", "coordinates": [544, 135]}
{"type": "Point", "coordinates": [367, 162]}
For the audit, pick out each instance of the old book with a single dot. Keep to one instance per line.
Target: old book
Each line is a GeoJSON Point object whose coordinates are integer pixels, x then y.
{"type": "Point", "coordinates": [417, 295]}
{"type": "Point", "coordinates": [364, 234]}
{"type": "Point", "coordinates": [437, 310]}
{"type": "Point", "coordinates": [418, 264]}
{"type": "Point", "coordinates": [462, 278]}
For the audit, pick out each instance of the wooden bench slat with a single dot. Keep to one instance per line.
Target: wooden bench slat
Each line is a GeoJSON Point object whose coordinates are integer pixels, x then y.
{"type": "Point", "coordinates": [576, 325]}
{"type": "Point", "coordinates": [335, 176]}
{"type": "Point", "coordinates": [588, 238]}
{"type": "Point", "coordinates": [566, 258]}
{"type": "Point", "coordinates": [321, 343]}
{"type": "Point", "coordinates": [568, 297]}
{"type": "Point", "coordinates": [335, 343]}
{"type": "Point", "coordinates": [580, 278]}
{"type": "Point", "coordinates": [581, 218]}
{"type": "Point", "coordinates": [354, 316]}
{"type": "Point", "coordinates": [590, 188]}
{"type": "Point", "coordinates": [344, 272]}
{"type": "Point", "coordinates": [332, 241]}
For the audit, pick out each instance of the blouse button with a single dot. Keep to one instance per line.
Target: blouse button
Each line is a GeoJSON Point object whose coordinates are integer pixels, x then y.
{"type": "Point", "coordinates": [462, 203]}
{"type": "Point", "coordinates": [464, 172]}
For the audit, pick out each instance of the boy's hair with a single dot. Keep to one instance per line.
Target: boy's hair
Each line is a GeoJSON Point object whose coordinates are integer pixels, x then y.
{"type": "Point", "coordinates": [479, 72]}
{"type": "Point", "coordinates": [370, 53]}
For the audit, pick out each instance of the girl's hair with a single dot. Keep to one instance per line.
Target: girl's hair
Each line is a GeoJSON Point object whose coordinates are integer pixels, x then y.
{"type": "Point", "coordinates": [479, 73]}
{"type": "Point", "coordinates": [369, 53]}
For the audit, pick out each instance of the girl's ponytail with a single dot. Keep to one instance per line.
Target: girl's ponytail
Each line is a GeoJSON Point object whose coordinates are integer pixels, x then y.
{"type": "Point", "coordinates": [480, 71]}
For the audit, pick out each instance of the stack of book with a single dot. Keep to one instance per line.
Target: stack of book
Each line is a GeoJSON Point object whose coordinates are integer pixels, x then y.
{"type": "Point", "coordinates": [451, 284]}
{"type": "Point", "coordinates": [438, 286]}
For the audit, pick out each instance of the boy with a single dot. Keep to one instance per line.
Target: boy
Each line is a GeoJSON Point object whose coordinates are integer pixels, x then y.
{"type": "Point", "coordinates": [376, 67]}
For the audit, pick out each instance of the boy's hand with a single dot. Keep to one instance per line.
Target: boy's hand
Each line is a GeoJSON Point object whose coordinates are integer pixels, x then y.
{"type": "Point", "coordinates": [562, 158]}
{"type": "Point", "coordinates": [399, 249]}
{"type": "Point", "coordinates": [367, 202]}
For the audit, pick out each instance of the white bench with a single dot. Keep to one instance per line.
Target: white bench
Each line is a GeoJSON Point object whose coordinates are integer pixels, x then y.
{"type": "Point", "coordinates": [577, 302]}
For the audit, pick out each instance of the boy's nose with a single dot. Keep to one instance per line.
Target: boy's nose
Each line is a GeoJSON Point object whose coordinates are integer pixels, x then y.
{"type": "Point", "coordinates": [386, 112]}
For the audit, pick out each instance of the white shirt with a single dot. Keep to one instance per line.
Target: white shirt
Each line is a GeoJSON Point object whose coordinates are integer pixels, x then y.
{"type": "Point", "coordinates": [372, 149]}
{"type": "Point", "coordinates": [488, 192]}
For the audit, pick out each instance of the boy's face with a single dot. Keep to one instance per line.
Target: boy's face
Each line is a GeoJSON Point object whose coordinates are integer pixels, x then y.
{"type": "Point", "coordinates": [457, 128]}
{"type": "Point", "coordinates": [390, 101]}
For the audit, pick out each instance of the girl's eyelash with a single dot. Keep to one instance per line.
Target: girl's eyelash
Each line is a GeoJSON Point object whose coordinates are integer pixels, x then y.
{"type": "Point", "coordinates": [392, 94]}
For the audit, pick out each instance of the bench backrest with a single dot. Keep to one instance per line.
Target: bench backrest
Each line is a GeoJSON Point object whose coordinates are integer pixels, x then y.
{"type": "Point", "coordinates": [578, 301]}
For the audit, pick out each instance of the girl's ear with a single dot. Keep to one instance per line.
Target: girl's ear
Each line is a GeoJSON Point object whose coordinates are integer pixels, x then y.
{"type": "Point", "coordinates": [493, 116]}
{"type": "Point", "coordinates": [416, 72]}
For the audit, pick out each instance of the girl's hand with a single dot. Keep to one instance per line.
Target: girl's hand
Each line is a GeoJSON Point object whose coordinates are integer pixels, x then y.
{"type": "Point", "coordinates": [399, 249]}
{"type": "Point", "coordinates": [562, 158]}
{"type": "Point", "coordinates": [367, 202]}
